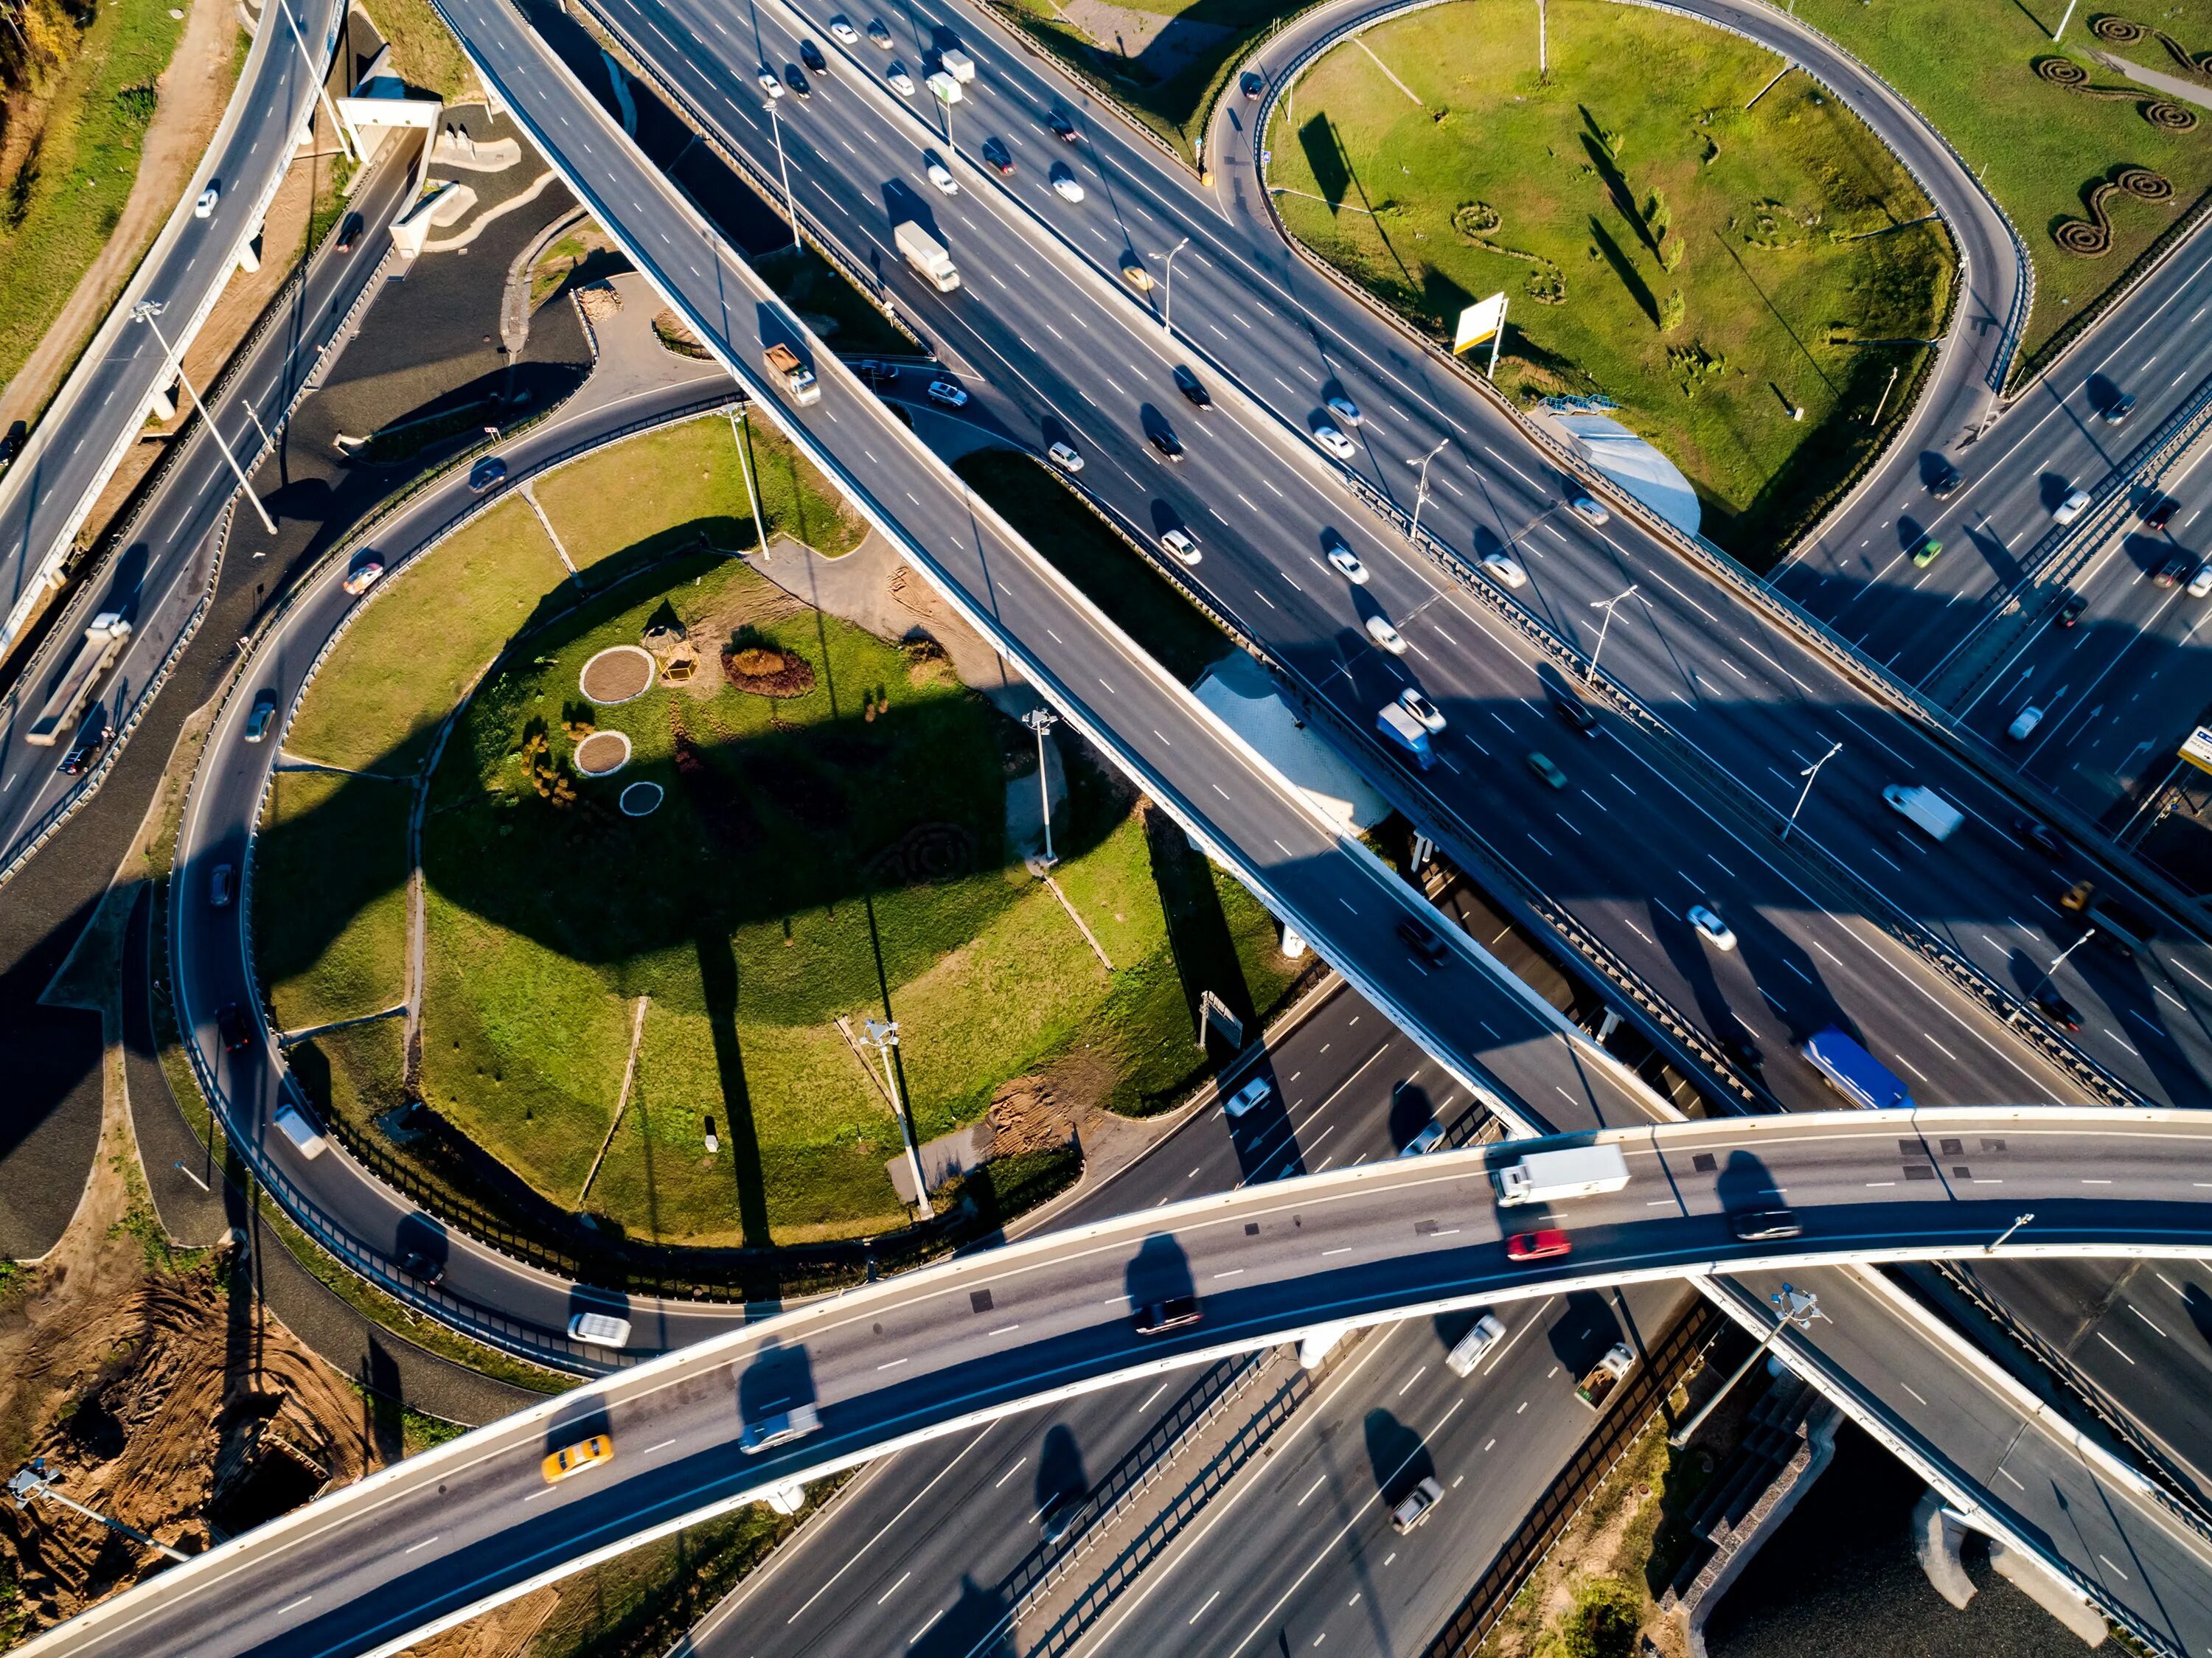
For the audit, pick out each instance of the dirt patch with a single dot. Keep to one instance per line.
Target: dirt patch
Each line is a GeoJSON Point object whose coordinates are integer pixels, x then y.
{"type": "Point", "coordinates": [617, 674]}
{"type": "Point", "coordinates": [1026, 1116]}
{"type": "Point", "coordinates": [765, 671]}
{"type": "Point", "coordinates": [601, 753]}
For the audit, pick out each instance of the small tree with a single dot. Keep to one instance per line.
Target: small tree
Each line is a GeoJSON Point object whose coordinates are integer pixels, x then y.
{"type": "Point", "coordinates": [1670, 312]}
{"type": "Point", "coordinates": [1602, 1623]}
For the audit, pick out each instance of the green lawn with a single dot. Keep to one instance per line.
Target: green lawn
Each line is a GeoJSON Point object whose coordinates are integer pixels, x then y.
{"type": "Point", "coordinates": [333, 945]}
{"type": "Point", "coordinates": [423, 49]}
{"type": "Point", "coordinates": [1658, 243]}
{"type": "Point", "coordinates": [1971, 70]}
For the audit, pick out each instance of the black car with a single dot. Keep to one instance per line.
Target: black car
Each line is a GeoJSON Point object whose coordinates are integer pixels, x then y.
{"type": "Point", "coordinates": [810, 55]}
{"type": "Point", "coordinates": [1157, 1318]}
{"type": "Point", "coordinates": [1744, 1052]}
{"type": "Point", "coordinates": [2119, 407]}
{"type": "Point", "coordinates": [423, 1270]}
{"type": "Point", "coordinates": [2159, 512]}
{"type": "Point", "coordinates": [1944, 484]}
{"type": "Point", "coordinates": [85, 749]}
{"type": "Point", "coordinates": [1763, 1225]}
{"type": "Point", "coordinates": [876, 373]}
{"type": "Point", "coordinates": [1422, 939]}
{"type": "Point", "coordinates": [1251, 85]}
{"type": "Point", "coordinates": [1188, 384]}
{"type": "Point", "coordinates": [2039, 836]}
{"type": "Point", "coordinates": [2172, 572]}
{"type": "Point", "coordinates": [2057, 1008]}
{"type": "Point", "coordinates": [999, 156]}
{"type": "Point", "coordinates": [795, 78]}
{"type": "Point", "coordinates": [349, 232]}
{"type": "Point", "coordinates": [1165, 441]}
{"type": "Point", "coordinates": [2072, 610]}
{"type": "Point", "coordinates": [485, 473]}
{"type": "Point", "coordinates": [1058, 121]}
{"type": "Point", "coordinates": [230, 1023]}
{"type": "Point", "coordinates": [1572, 709]}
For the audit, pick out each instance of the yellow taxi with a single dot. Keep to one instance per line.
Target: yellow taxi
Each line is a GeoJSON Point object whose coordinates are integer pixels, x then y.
{"type": "Point", "coordinates": [584, 1453]}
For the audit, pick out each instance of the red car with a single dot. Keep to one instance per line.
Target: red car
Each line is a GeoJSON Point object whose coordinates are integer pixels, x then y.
{"type": "Point", "coordinates": [1537, 1246]}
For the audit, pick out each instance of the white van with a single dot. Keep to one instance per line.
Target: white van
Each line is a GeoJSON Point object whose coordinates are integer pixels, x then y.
{"type": "Point", "coordinates": [301, 1133]}
{"type": "Point", "coordinates": [599, 1330]}
{"type": "Point", "coordinates": [780, 1429]}
{"type": "Point", "coordinates": [1489, 1330]}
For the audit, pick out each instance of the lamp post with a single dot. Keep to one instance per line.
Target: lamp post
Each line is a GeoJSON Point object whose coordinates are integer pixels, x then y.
{"type": "Point", "coordinates": [2018, 1221]}
{"type": "Point", "coordinates": [29, 1483]}
{"type": "Point", "coordinates": [2059, 960]}
{"type": "Point", "coordinates": [1167, 295]}
{"type": "Point", "coordinates": [790, 205]}
{"type": "Point", "coordinates": [1607, 605]}
{"type": "Point", "coordinates": [1421, 490]}
{"type": "Point", "coordinates": [882, 1036]}
{"type": "Point", "coordinates": [1796, 1307]}
{"type": "Point", "coordinates": [1809, 775]}
{"type": "Point", "coordinates": [1042, 720]}
{"type": "Point", "coordinates": [315, 74]}
{"type": "Point", "coordinates": [145, 311]}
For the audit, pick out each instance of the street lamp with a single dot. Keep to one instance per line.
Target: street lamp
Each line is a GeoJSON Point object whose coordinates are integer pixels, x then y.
{"type": "Point", "coordinates": [1042, 719]}
{"type": "Point", "coordinates": [790, 205]}
{"type": "Point", "coordinates": [2059, 961]}
{"type": "Point", "coordinates": [1167, 295]}
{"type": "Point", "coordinates": [1607, 605]}
{"type": "Point", "coordinates": [2018, 1221]}
{"type": "Point", "coordinates": [145, 311]}
{"type": "Point", "coordinates": [882, 1036]}
{"type": "Point", "coordinates": [1421, 490]}
{"type": "Point", "coordinates": [28, 1485]}
{"type": "Point", "coordinates": [1794, 1307]}
{"type": "Point", "coordinates": [317, 77]}
{"type": "Point", "coordinates": [1809, 775]}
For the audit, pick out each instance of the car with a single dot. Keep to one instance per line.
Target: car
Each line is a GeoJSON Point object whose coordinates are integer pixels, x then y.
{"type": "Point", "coordinates": [1765, 1225]}
{"type": "Point", "coordinates": [1251, 84]}
{"type": "Point", "coordinates": [2072, 508]}
{"type": "Point", "coordinates": [1180, 547]}
{"type": "Point", "coordinates": [2024, 724]}
{"type": "Point", "coordinates": [486, 472]}
{"type": "Point", "coordinates": [360, 579]}
{"type": "Point", "coordinates": [1420, 937]}
{"type": "Point", "coordinates": [1058, 120]}
{"type": "Point", "coordinates": [940, 175]}
{"type": "Point", "coordinates": [1060, 1516]}
{"type": "Point", "coordinates": [1944, 484]}
{"type": "Point", "coordinates": [349, 228]}
{"type": "Point", "coordinates": [795, 78]}
{"type": "Point", "coordinates": [1588, 511]}
{"type": "Point", "coordinates": [1137, 276]}
{"type": "Point", "coordinates": [1540, 763]}
{"type": "Point", "coordinates": [842, 28]}
{"type": "Point", "coordinates": [1162, 439]}
{"type": "Point", "coordinates": [1430, 1136]}
{"type": "Point", "coordinates": [2041, 836]}
{"type": "Point", "coordinates": [1066, 185]}
{"type": "Point", "coordinates": [1335, 442]}
{"type": "Point", "coordinates": [1159, 1318]}
{"type": "Point", "coordinates": [780, 1429]}
{"type": "Point", "coordinates": [599, 1329]}
{"type": "Point", "coordinates": [1380, 630]}
{"type": "Point", "coordinates": [810, 55]}
{"type": "Point", "coordinates": [2173, 573]}
{"type": "Point", "coordinates": [1247, 1096]}
{"type": "Point", "coordinates": [878, 34]}
{"type": "Point", "coordinates": [1548, 1244]}
{"type": "Point", "coordinates": [996, 153]}
{"type": "Point", "coordinates": [1416, 1505]}
{"type": "Point", "coordinates": [209, 198]}
{"type": "Point", "coordinates": [903, 83]}
{"type": "Point", "coordinates": [575, 1459]}
{"type": "Point", "coordinates": [1572, 709]}
{"type": "Point", "coordinates": [1431, 716]}
{"type": "Point", "coordinates": [2055, 1008]}
{"type": "Point", "coordinates": [1064, 457]}
{"type": "Point", "coordinates": [771, 83]}
{"type": "Point", "coordinates": [1744, 1052]}
{"type": "Point", "coordinates": [2072, 611]}
{"type": "Point", "coordinates": [876, 373]}
{"type": "Point", "coordinates": [90, 740]}
{"type": "Point", "coordinates": [1715, 929]}
{"type": "Point", "coordinates": [1472, 1348]}
{"type": "Point", "coordinates": [945, 392]}
{"type": "Point", "coordinates": [2159, 512]}
{"type": "Point", "coordinates": [422, 1268]}
{"type": "Point", "coordinates": [231, 1026]}
{"type": "Point", "coordinates": [2119, 407]}
{"type": "Point", "coordinates": [261, 716]}
{"type": "Point", "coordinates": [1504, 569]}
{"type": "Point", "coordinates": [1927, 552]}
{"type": "Point", "coordinates": [1348, 565]}
{"type": "Point", "coordinates": [223, 885]}
{"type": "Point", "coordinates": [1345, 410]}
{"type": "Point", "coordinates": [2200, 584]}
{"type": "Point", "coordinates": [1193, 389]}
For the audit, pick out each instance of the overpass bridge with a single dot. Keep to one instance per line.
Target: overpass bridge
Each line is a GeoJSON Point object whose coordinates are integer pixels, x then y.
{"type": "Point", "coordinates": [444, 1536]}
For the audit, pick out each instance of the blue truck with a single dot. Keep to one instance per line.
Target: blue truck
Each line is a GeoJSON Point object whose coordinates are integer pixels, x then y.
{"type": "Point", "coordinates": [1855, 1073]}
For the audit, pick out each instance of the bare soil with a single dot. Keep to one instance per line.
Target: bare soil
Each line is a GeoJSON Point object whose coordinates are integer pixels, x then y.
{"type": "Point", "coordinates": [616, 675]}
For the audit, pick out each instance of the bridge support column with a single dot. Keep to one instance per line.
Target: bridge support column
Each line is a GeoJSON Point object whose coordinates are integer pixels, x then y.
{"type": "Point", "coordinates": [2040, 1584]}
{"type": "Point", "coordinates": [786, 1499]}
{"type": "Point", "coordinates": [163, 404]}
{"type": "Point", "coordinates": [1316, 1344]}
{"type": "Point", "coordinates": [249, 252]}
{"type": "Point", "coordinates": [1937, 1535]}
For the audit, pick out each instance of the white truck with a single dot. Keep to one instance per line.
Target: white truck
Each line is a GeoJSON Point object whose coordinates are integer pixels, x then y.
{"type": "Point", "coordinates": [103, 643]}
{"type": "Point", "coordinates": [1577, 1171]}
{"type": "Point", "coordinates": [1396, 722]}
{"type": "Point", "coordinates": [1929, 810]}
{"type": "Point", "coordinates": [1606, 1375]}
{"type": "Point", "coordinates": [797, 379]}
{"type": "Point", "coordinates": [927, 255]}
{"type": "Point", "coordinates": [957, 64]}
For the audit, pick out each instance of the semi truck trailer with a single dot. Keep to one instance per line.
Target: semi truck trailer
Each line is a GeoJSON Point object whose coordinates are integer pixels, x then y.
{"type": "Point", "coordinates": [102, 643]}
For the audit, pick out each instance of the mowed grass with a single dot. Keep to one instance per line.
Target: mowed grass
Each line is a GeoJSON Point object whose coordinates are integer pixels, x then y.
{"type": "Point", "coordinates": [1696, 257]}
{"type": "Point", "coordinates": [329, 922]}
{"type": "Point", "coordinates": [424, 53]}
{"type": "Point", "coordinates": [65, 197]}
{"type": "Point", "coordinates": [377, 701]}
{"type": "Point", "coordinates": [2038, 147]}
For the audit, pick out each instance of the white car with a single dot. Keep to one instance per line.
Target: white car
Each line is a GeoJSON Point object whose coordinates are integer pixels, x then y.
{"type": "Point", "coordinates": [1064, 457]}
{"type": "Point", "coordinates": [1430, 1136]}
{"type": "Point", "coordinates": [1489, 1330]}
{"type": "Point", "coordinates": [844, 31]}
{"type": "Point", "coordinates": [1505, 570]}
{"type": "Point", "coordinates": [1712, 926]}
{"type": "Point", "coordinates": [1431, 716]}
{"type": "Point", "coordinates": [1180, 546]}
{"type": "Point", "coordinates": [878, 34]}
{"type": "Point", "coordinates": [1066, 185]}
{"type": "Point", "coordinates": [941, 176]}
{"type": "Point", "coordinates": [1345, 410]}
{"type": "Point", "coordinates": [902, 83]}
{"type": "Point", "coordinates": [1589, 510]}
{"type": "Point", "coordinates": [1348, 565]}
{"type": "Point", "coordinates": [945, 392]}
{"type": "Point", "coordinates": [2200, 585]}
{"type": "Point", "coordinates": [1335, 442]}
{"type": "Point", "coordinates": [1246, 1097]}
{"type": "Point", "coordinates": [1386, 636]}
{"type": "Point", "coordinates": [209, 198]}
{"type": "Point", "coordinates": [2067, 510]}
{"type": "Point", "coordinates": [2024, 727]}
{"type": "Point", "coordinates": [771, 83]}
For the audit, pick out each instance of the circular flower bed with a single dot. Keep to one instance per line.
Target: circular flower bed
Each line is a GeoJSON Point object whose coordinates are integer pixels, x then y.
{"type": "Point", "coordinates": [602, 754]}
{"type": "Point", "coordinates": [617, 674]}
{"type": "Point", "coordinates": [640, 799]}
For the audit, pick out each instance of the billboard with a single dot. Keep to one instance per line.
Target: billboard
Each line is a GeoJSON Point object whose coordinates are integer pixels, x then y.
{"type": "Point", "coordinates": [2197, 750]}
{"type": "Point", "coordinates": [1483, 320]}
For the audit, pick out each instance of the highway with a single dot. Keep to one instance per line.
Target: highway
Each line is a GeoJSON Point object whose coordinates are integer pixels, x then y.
{"type": "Point", "coordinates": [75, 445]}
{"type": "Point", "coordinates": [943, 1349]}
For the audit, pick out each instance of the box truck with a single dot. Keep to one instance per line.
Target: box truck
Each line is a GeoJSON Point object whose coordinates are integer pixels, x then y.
{"type": "Point", "coordinates": [1397, 722]}
{"type": "Point", "coordinates": [1929, 810]}
{"type": "Point", "coordinates": [1854, 1072]}
{"type": "Point", "coordinates": [1579, 1171]}
{"type": "Point", "coordinates": [926, 255]}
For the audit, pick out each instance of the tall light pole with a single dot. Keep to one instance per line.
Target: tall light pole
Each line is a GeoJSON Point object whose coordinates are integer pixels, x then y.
{"type": "Point", "coordinates": [145, 311]}
{"type": "Point", "coordinates": [28, 1485]}
{"type": "Point", "coordinates": [1809, 775]}
{"type": "Point", "coordinates": [316, 76]}
{"type": "Point", "coordinates": [2059, 960]}
{"type": "Point", "coordinates": [1607, 605]}
{"type": "Point", "coordinates": [1796, 1307]}
{"type": "Point", "coordinates": [1042, 720]}
{"type": "Point", "coordinates": [882, 1036]}
{"type": "Point", "coordinates": [2018, 1221]}
{"type": "Point", "coordinates": [790, 204]}
{"type": "Point", "coordinates": [1421, 490]}
{"type": "Point", "coordinates": [1167, 297]}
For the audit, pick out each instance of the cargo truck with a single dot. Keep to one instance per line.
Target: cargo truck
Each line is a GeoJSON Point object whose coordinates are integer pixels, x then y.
{"type": "Point", "coordinates": [957, 64]}
{"type": "Point", "coordinates": [102, 643]}
{"type": "Point", "coordinates": [797, 379]}
{"type": "Point", "coordinates": [926, 255]}
{"type": "Point", "coordinates": [1929, 810]}
{"type": "Point", "coordinates": [1579, 1171]}
{"type": "Point", "coordinates": [1397, 722]}
{"type": "Point", "coordinates": [1854, 1072]}
{"type": "Point", "coordinates": [1607, 1375]}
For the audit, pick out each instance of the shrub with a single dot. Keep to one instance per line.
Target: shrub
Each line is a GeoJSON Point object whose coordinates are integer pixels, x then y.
{"type": "Point", "coordinates": [1602, 1623]}
{"type": "Point", "coordinates": [766, 670]}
